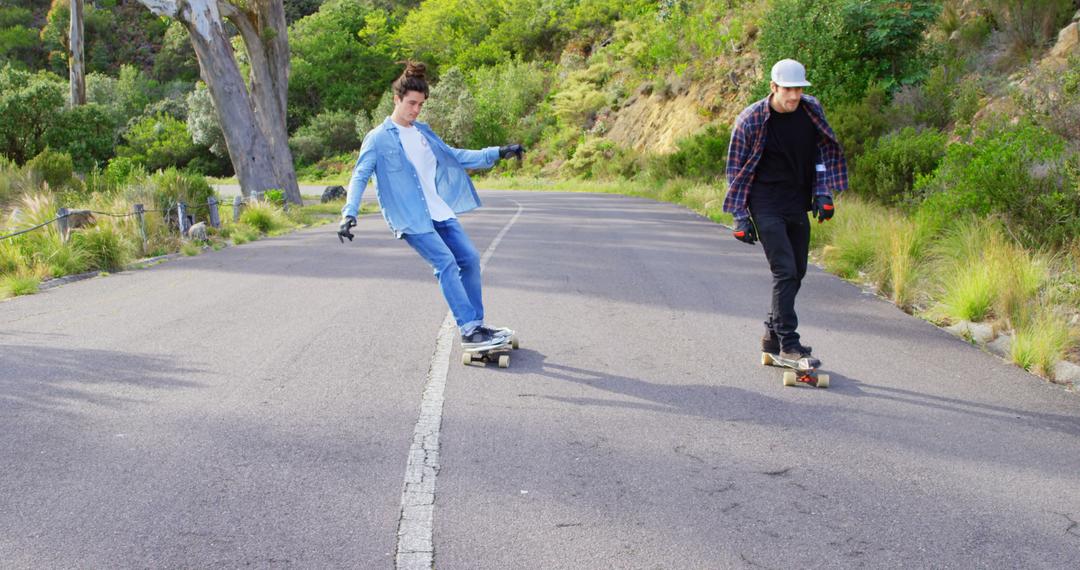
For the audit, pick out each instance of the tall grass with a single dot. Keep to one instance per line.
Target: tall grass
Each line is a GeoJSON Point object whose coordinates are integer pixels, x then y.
{"type": "Point", "coordinates": [1038, 345]}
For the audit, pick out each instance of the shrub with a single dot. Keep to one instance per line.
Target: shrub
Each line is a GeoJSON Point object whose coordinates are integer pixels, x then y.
{"type": "Point", "coordinates": [86, 132]}
{"type": "Point", "coordinates": [702, 156]}
{"type": "Point", "coordinates": [858, 123]}
{"type": "Point", "coordinates": [888, 169]}
{"type": "Point", "coordinates": [503, 95]}
{"type": "Point", "coordinates": [451, 111]}
{"type": "Point", "coordinates": [54, 168]}
{"type": "Point", "coordinates": [18, 284]}
{"type": "Point", "coordinates": [202, 121]}
{"type": "Point", "coordinates": [29, 104]}
{"type": "Point", "coordinates": [328, 133]}
{"type": "Point", "coordinates": [1022, 173]}
{"type": "Point", "coordinates": [1039, 346]}
{"type": "Point", "coordinates": [1031, 23]}
{"type": "Point", "coordinates": [601, 158]}
{"type": "Point", "coordinates": [159, 142]}
{"type": "Point", "coordinates": [167, 188]}
{"type": "Point", "coordinates": [847, 45]}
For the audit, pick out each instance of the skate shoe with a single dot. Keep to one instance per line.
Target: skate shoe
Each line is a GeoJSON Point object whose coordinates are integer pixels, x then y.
{"type": "Point", "coordinates": [801, 354]}
{"type": "Point", "coordinates": [770, 343]}
{"type": "Point", "coordinates": [480, 339]}
{"type": "Point", "coordinates": [499, 332]}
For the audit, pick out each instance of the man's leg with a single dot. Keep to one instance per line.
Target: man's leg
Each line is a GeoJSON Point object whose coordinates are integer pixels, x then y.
{"type": "Point", "coordinates": [773, 233]}
{"type": "Point", "coordinates": [430, 246]}
{"type": "Point", "coordinates": [468, 261]}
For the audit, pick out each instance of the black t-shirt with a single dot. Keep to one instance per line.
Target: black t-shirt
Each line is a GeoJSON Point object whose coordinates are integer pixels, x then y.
{"type": "Point", "coordinates": [783, 181]}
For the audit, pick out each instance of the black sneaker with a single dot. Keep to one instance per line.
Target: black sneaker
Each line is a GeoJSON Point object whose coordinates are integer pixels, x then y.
{"type": "Point", "coordinates": [480, 338]}
{"type": "Point", "coordinates": [770, 343]}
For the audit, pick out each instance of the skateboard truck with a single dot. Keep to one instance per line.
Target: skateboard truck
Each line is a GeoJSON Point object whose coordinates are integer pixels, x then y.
{"type": "Point", "coordinates": [499, 353]}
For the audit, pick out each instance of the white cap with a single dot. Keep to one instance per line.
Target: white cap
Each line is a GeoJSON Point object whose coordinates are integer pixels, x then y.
{"type": "Point", "coordinates": [789, 73]}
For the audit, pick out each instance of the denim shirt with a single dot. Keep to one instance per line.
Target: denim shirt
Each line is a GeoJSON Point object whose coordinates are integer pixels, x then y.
{"type": "Point", "coordinates": [397, 183]}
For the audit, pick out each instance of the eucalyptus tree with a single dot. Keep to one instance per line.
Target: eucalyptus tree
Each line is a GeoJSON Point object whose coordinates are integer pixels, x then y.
{"type": "Point", "coordinates": [252, 113]}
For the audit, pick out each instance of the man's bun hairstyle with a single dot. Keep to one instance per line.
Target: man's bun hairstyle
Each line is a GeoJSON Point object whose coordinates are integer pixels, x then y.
{"type": "Point", "coordinates": [414, 78]}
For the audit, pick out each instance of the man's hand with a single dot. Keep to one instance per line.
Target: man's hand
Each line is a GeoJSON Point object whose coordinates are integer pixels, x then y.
{"type": "Point", "coordinates": [347, 223]}
{"type": "Point", "coordinates": [823, 208]}
{"type": "Point", "coordinates": [512, 150]}
{"type": "Point", "coordinates": [744, 231]}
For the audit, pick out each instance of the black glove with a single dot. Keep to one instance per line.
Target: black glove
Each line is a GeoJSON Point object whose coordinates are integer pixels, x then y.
{"type": "Point", "coordinates": [823, 208]}
{"type": "Point", "coordinates": [343, 232]}
{"type": "Point", "coordinates": [511, 150]}
{"type": "Point", "coordinates": [745, 232]}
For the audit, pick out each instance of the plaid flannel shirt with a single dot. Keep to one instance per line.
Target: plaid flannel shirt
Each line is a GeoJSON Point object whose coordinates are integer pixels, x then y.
{"type": "Point", "coordinates": [748, 144]}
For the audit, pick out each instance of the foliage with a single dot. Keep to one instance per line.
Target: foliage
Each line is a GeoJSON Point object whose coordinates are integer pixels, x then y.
{"type": "Point", "coordinates": [19, 42]}
{"type": "Point", "coordinates": [265, 218]}
{"type": "Point", "coordinates": [203, 123]}
{"type": "Point", "coordinates": [858, 123]}
{"type": "Point", "coordinates": [848, 45]}
{"type": "Point", "coordinates": [702, 156]}
{"type": "Point", "coordinates": [450, 110]}
{"type": "Point", "coordinates": [86, 132]}
{"type": "Point", "coordinates": [1030, 23]}
{"type": "Point", "coordinates": [888, 169]}
{"type": "Point", "coordinates": [55, 168]}
{"type": "Point", "coordinates": [164, 190]}
{"type": "Point", "coordinates": [601, 158]}
{"type": "Point", "coordinates": [503, 95]}
{"type": "Point", "coordinates": [328, 133]}
{"type": "Point", "coordinates": [106, 247]}
{"type": "Point", "coordinates": [342, 57]}
{"type": "Point", "coordinates": [114, 34]}
{"type": "Point", "coordinates": [29, 104]}
{"type": "Point", "coordinates": [1023, 173]}
{"type": "Point", "coordinates": [158, 142]}
{"type": "Point", "coordinates": [176, 59]}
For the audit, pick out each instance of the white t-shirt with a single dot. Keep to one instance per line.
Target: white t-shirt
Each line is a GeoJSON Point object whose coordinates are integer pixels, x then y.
{"type": "Point", "coordinates": [418, 151]}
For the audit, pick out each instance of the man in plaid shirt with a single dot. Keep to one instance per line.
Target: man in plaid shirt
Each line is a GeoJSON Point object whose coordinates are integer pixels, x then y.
{"type": "Point", "coordinates": [783, 161]}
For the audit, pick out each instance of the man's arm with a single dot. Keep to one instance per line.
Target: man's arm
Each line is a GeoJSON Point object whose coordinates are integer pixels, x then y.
{"type": "Point", "coordinates": [739, 151]}
{"type": "Point", "coordinates": [476, 159]}
{"type": "Point", "coordinates": [365, 167]}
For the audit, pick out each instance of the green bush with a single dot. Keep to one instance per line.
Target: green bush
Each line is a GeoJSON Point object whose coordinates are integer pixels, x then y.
{"type": "Point", "coordinates": [159, 142]}
{"type": "Point", "coordinates": [451, 110]}
{"type": "Point", "coordinates": [888, 169]}
{"type": "Point", "coordinates": [86, 132]}
{"type": "Point", "coordinates": [327, 134]}
{"type": "Point", "coordinates": [1031, 23]}
{"type": "Point", "coordinates": [55, 168]}
{"type": "Point", "coordinates": [264, 217]}
{"type": "Point", "coordinates": [847, 45]}
{"type": "Point", "coordinates": [275, 197]}
{"type": "Point", "coordinates": [169, 187]}
{"type": "Point", "coordinates": [601, 158]}
{"type": "Point", "coordinates": [503, 96]}
{"type": "Point", "coordinates": [1022, 172]}
{"type": "Point", "coordinates": [29, 105]}
{"type": "Point", "coordinates": [858, 123]}
{"type": "Point", "coordinates": [702, 156]}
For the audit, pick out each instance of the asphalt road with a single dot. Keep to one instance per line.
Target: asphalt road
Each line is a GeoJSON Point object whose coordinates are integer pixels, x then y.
{"type": "Point", "coordinates": [254, 407]}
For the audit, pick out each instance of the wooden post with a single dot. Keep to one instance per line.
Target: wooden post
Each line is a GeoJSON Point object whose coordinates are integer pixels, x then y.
{"type": "Point", "coordinates": [258, 195]}
{"type": "Point", "coordinates": [62, 222]}
{"type": "Point", "coordinates": [140, 213]}
{"type": "Point", "coordinates": [237, 205]}
{"type": "Point", "coordinates": [215, 217]}
{"type": "Point", "coordinates": [181, 212]}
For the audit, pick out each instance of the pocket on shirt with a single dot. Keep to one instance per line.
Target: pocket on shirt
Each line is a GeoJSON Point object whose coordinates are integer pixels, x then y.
{"type": "Point", "coordinates": [394, 161]}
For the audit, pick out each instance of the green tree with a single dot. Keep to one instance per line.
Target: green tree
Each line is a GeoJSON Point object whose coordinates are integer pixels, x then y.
{"type": "Point", "coordinates": [86, 132]}
{"type": "Point", "coordinates": [848, 45]}
{"type": "Point", "coordinates": [29, 105]}
{"type": "Point", "coordinates": [450, 110]}
{"type": "Point", "coordinates": [342, 58]}
{"type": "Point", "coordinates": [19, 42]}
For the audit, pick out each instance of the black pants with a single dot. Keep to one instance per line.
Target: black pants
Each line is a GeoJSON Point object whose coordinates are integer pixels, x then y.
{"type": "Point", "coordinates": [786, 239]}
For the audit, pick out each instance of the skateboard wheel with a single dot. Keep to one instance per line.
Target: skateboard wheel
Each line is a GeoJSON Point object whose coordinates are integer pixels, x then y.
{"type": "Point", "coordinates": [504, 361]}
{"type": "Point", "coordinates": [766, 360]}
{"type": "Point", "coordinates": [822, 380]}
{"type": "Point", "coordinates": [789, 378]}
{"type": "Point", "coordinates": [514, 342]}
{"type": "Point", "coordinates": [466, 358]}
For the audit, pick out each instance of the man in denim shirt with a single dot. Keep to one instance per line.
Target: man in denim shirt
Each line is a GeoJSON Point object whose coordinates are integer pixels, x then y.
{"type": "Point", "coordinates": [422, 185]}
{"type": "Point", "coordinates": [784, 160]}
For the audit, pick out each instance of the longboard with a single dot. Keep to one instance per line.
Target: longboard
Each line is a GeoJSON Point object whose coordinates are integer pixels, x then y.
{"type": "Point", "coordinates": [797, 371]}
{"type": "Point", "coordinates": [499, 353]}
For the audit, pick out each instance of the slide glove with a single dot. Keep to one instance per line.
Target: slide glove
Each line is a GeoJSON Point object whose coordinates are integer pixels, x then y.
{"type": "Point", "coordinates": [823, 208]}
{"type": "Point", "coordinates": [514, 150]}
{"type": "Point", "coordinates": [347, 223]}
{"type": "Point", "coordinates": [744, 231]}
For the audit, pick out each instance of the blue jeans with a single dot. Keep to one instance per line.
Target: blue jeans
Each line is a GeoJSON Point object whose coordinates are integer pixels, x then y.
{"type": "Point", "coordinates": [457, 268]}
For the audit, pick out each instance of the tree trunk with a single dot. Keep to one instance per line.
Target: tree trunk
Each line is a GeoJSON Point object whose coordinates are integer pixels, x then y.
{"type": "Point", "coordinates": [254, 125]}
{"type": "Point", "coordinates": [77, 72]}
